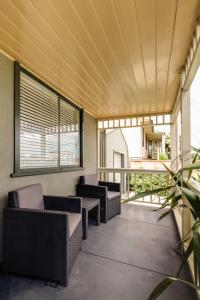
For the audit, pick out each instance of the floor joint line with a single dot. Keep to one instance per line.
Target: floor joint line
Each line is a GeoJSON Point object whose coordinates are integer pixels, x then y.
{"type": "Point", "coordinates": [138, 221]}
{"type": "Point", "coordinates": [122, 262]}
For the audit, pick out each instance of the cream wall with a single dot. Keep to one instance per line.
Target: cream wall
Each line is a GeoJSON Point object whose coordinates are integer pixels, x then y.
{"type": "Point", "coordinates": [115, 142]}
{"type": "Point", "coordinates": [57, 183]}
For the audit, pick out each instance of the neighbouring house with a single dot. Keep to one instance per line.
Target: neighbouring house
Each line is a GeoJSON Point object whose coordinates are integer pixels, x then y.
{"type": "Point", "coordinates": [147, 144]}
{"type": "Point", "coordinates": [113, 149]}
{"type": "Point", "coordinates": [113, 153]}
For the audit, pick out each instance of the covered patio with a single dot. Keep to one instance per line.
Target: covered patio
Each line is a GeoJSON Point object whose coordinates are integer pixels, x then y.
{"type": "Point", "coordinates": [70, 72]}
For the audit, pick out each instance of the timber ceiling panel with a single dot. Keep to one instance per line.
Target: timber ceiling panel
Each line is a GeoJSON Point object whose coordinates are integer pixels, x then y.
{"type": "Point", "coordinates": [112, 57]}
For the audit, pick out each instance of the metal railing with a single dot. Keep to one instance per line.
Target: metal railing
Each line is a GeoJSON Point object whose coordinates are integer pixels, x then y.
{"type": "Point", "coordinates": [134, 181]}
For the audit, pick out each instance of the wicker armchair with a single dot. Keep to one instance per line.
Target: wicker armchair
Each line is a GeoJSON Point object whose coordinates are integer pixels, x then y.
{"type": "Point", "coordinates": [108, 193]}
{"type": "Point", "coordinates": [42, 234]}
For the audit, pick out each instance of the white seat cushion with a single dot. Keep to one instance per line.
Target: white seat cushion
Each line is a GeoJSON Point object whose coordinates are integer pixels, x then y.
{"type": "Point", "coordinates": [74, 220]}
{"type": "Point", "coordinates": [29, 197]}
{"type": "Point", "coordinates": [89, 179]}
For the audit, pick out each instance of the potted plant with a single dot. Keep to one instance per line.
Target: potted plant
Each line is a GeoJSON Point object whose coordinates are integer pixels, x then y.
{"type": "Point", "coordinates": [176, 189]}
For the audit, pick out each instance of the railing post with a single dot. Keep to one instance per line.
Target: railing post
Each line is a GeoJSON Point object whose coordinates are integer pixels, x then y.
{"type": "Point", "coordinates": [151, 187]}
{"type": "Point", "coordinates": [135, 183]}
{"type": "Point", "coordinates": [128, 182]}
{"type": "Point", "coordinates": [141, 174]}
{"type": "Point", "coordinates": [167, 184]}
{"type": "Point", "coordinates": [143, 185]}
{"type": "Point", "coordinates": [159, 185]}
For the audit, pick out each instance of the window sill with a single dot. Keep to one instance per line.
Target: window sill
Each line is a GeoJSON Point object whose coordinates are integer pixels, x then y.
{"type": "Point", "coordinates": [45, 172]}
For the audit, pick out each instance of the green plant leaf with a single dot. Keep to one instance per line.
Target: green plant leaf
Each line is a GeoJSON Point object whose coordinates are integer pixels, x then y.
{"type": "Point", "coordinates": [195, 166]}
{"type": "Point", "coordinates": [166, 213]}
{"type": "Point", "coordinates": [195, 149]}
{"type": "Point", "coordinates": [160, 288]}
{"type": "Point", "coordinates": [172, 205]}
{"type": "Point", "coordinates": [182, 242]}
{"type": "Point", "coordinates": [186, 255]}
{"type": "Point", "coordinates": [165, 203]}
{"type": "Point", "coordinates": [196, 252]}
{"type": "Point", "coordinates": [193, 214]}
{"type": "Point", "coordinates": [195, 258]}
{"type": "Point", "coordinates": [147, 193]}
{"type": "Point", "coordinates": [175, 175]}
{"type": "Point", "coordinates": [174, 201]}
{"type": "Point", "coordinates": [165, 283]}
{"type": "Point", "coordinates": [193, 199]}
{"type": "Point", "coordinates": [171, 172]}
{"type": "Point", "coordinates": [194, 160]}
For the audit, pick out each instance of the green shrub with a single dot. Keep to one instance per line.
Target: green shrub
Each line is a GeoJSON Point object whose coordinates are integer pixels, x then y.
{"type": "Point", "coordinates": [150, 182]}
{"type": "Point", "coordinates": [163, 156]}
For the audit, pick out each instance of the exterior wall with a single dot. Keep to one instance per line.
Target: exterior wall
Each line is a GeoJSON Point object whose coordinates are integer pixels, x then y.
{"type": "Point", "coordinates": [55, 184]}
{"type": "Point", "coordinates": [115, 142]}
{"type": "Point", "coordinates": [137, 150]}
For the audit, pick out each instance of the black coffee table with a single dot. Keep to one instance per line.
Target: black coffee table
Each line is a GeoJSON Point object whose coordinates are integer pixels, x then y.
{"type": "Point", "coordinates": [89, 204]}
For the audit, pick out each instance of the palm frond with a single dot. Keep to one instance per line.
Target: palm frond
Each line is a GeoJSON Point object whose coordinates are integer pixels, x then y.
{"type": "Point", "coordinates": [165, 283]}
{"type": "Point", "coordinates": [148, 193]}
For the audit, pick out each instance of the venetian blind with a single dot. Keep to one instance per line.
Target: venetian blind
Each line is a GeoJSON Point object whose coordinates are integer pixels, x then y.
{"type": "Point", "coordinates": [69, 134]}
{"type": "Point", "coordinates": [38, 125]}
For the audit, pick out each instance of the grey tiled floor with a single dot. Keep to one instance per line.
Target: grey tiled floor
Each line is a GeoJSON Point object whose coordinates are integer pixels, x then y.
{"type": "Point", "coordinates": [121, 260]}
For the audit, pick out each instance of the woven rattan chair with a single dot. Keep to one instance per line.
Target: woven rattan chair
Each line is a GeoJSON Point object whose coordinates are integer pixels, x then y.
{"type": "Point", "coordinates": [42, 234]}
{"type": "Point", "coordinates": [108, 193]}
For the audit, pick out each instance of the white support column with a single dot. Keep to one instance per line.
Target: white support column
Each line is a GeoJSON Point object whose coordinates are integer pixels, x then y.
{"type": "Point", "coordinates": [173, 145]}
{"type": "Point", "coordinates": [186, 132]}
{"type": "Point", "coordinates": [175, 151]}
{"type": "Point", "coordinates": [186, 151]}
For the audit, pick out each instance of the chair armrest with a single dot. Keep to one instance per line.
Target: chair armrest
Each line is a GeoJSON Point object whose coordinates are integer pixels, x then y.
{"type": "Point", "coordinates": [91, 191]}
{"type": "Point", "coordinates": [35, 215]}
{"type": "Point", "coordinates": [112, 186]}
{"type": "Point", "coordinates": [70, 204]}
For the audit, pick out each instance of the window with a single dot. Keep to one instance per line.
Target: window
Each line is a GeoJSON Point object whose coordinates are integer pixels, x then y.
{"type": "Point", "coordinates": [48, 128]}
{"type": "Point", "coordinates": [69, 134]}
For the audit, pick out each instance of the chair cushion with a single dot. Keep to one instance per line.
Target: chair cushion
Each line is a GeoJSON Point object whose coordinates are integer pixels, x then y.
{"type": "Point", "coordinates": [111, 195]}
{"type": "Point", "coordinates": [89, 179]}
{"type": "Point", "coordinates": [74, 220]}
{"type": "Point", "coordinates": [28, 197]}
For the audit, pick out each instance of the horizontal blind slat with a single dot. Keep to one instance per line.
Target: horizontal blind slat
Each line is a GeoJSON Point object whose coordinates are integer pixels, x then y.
{"type": "Point", "coordinates": [39, 128]}
{"type": "Point", "coordinates": [69, 139]}
{"type": "Point", "coordinates": [38, 125]}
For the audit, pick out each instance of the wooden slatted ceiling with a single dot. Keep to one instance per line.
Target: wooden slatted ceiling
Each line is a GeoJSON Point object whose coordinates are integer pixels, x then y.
{"type": "Point", "coordinates": [112, 57]}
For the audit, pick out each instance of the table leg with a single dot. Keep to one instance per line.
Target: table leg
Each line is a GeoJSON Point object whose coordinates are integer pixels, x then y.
{"type": "Point", "coordinates": [85, 223]}
{"type": "Point", "coordinates": [98, 215]}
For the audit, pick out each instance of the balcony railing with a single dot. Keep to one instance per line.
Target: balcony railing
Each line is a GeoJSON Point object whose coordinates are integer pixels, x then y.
{"type": "Point", "coordinates": [134, 181]}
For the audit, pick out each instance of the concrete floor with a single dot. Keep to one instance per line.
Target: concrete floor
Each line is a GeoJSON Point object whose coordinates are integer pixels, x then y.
{"type": "Point", "coordinates": [121, 260]}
